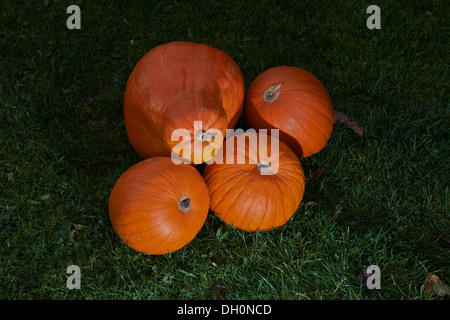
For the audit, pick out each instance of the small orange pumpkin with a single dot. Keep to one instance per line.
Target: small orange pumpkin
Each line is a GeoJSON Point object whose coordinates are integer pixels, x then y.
{"type": "Point", "coordinates": [257, 192]}
{"type": "Point", "coordinates": [176, 86]}
{"type": "Point", "coordinates": [158, 207]}
{"type": "Point", "coordinates": [295, 102]}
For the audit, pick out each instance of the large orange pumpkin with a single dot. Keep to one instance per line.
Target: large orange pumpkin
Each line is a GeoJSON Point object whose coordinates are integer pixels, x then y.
{"type": "Point", "coordinates": [182, 85]}
{"type": "Point", "coordinates": [158, 207]}
{"type": "Point", "coordinates": [295, 102]}
{"type": "Point", "coordinates": [259, 193]}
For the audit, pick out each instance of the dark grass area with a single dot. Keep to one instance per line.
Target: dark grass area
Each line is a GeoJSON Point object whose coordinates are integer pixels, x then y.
{"type": "Point", "coordinates": [383, 198]}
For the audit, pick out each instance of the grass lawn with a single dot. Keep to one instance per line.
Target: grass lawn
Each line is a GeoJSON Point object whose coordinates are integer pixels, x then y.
{"type": "Point", "coordinates": [383, 198]}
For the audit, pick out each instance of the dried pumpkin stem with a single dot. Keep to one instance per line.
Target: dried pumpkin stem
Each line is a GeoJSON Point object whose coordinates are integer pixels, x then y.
{"type": "Point", "coordinates": [262, 164]}
{"type": "Point", "coordinates": [184, 204]}
{"type": "Point", "coordinates": [272, 92]}
{"type": "Point", "coordinates": [203, 135]}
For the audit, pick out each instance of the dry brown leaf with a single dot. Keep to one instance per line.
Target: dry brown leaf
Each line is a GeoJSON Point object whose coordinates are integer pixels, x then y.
{"type": "Point", "coordinates": [341, 118]}
{"type": "Point", "coordinates": [221, 291]}
{"type": "Point", "coordinates": [310, 204]}
{"type": "Point", "coordinates": [363, 276]}
{"type": "Point", "coordinates": [317, 173]}
{"type": "Point", "coordinates": [435, 287]}
{"type": "Point", "coordinates": [46, 3]}
{"type": "Point", "coordinates": [445, 241]}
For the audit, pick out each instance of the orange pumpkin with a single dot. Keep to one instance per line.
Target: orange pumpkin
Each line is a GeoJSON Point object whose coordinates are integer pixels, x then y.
{"type": "Point", "coordinates": [158, 207]}
{"type": "Point", "coordinates": [259, 192]}
{"type": "Point", "coordinates": [182, 85]}
{"type": "Point", "coordinates": [295, 102]}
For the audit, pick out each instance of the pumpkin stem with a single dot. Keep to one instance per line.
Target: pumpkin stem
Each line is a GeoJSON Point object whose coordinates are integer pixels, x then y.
{"type": "Point", "coordinates": [272, 92]}
{"type": "Point", "coordinates": [202, 135]}
{"type": "Point", "coordinates": [184, 204]}
{"type": "Point", "coordinates": [262, 164]}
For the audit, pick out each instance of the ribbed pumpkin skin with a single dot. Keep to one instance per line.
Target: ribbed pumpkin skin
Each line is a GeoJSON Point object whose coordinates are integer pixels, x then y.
{"type": "Point", "coordinates": [143, 206]}
{"type": "Point", "coordinates": [244, 198]}
{"type": "Point", "coordinates": [174, 85]}
{"type": "Point", "coordinates": [303, 111]}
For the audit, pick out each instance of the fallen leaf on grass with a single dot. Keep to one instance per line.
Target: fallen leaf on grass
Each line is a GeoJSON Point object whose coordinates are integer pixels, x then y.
{"type": "Point", "coordinates": [317, 173]}
{"type": "Point", "coordinates": [445, 241]}
{"type": "Point", "coordinates": [310, 204]}
{"type": "Point", "coordinates": [341, 118]}
{"type": "Point", "coordinates": [363, 276]}
{"type": "Point", "coordinates": [221, 290]}
{"type": "Point", "coordinates": [435, 287]}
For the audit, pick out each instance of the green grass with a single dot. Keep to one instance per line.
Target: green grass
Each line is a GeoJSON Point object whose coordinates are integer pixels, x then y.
{"type": "Point", "coordinates": [383, 198]}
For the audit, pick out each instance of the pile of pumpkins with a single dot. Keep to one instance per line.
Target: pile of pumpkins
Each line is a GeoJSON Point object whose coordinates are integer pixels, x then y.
{"type": "Point", "coordinates": [160, 204]}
